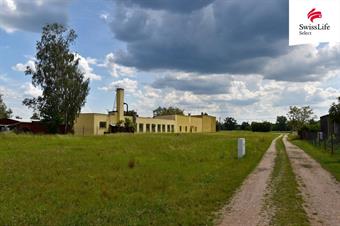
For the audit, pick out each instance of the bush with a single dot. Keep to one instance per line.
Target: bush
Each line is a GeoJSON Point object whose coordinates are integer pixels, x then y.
{"type": "Point", "coordinates": [261, 126]}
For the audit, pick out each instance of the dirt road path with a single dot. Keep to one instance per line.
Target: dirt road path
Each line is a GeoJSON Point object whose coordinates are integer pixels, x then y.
{"type": "Point", "coordinates": [320, 190]}
{"type": "Point", "coordinates": [246, 205]}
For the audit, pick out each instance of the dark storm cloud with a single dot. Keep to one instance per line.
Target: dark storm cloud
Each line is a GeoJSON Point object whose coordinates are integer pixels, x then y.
{"type": "Point", "coordinates": [32, 15]}
{"type": "Point", "coordinates": [221, 37]}
{"type": "Point", "coordinates": [207, 85]}
{"type": "Point", "coordinates": [172, 5]}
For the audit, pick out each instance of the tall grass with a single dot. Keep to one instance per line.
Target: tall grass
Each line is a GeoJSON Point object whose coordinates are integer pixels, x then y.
{"type": "Point", "coordinates": [141, 179]}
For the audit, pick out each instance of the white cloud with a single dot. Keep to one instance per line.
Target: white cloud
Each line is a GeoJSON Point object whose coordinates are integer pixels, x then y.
{"type": "Point", "coordinates": [104, 16]}
{"type": "Point", "coordinates": [115, 69]}
{"type": "Point", "coordinates": [85, 67]}
{"type": "Point", "coordinates": [8, 5]}
{"type": "Point", "coordinates": [22, 67]}
{"type": "Point", "coordinates": [9, 93]}
{"type": "Point", "coordinates": [29, 15]}
{"type": "Point", "coordinates": [32, 91]}
{"type": "Point", "coordinates": [249, 98]}
{"type": "Point", "coordinates": [128, 84]}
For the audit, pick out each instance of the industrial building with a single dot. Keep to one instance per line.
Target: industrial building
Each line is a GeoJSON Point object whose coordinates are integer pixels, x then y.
{"type": "Point", "coordinates": [99, 124]}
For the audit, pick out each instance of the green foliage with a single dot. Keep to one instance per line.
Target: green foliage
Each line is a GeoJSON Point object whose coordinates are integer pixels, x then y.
{"type": "Point", "coordinates": [298, 117]}
{"type": "Point", "coordinates": [130, 124]}
{"type": "Point", "coordinates": [334, 111]}
{"type": "Point", "coordinates": [122, 179]}
{"type": "Point", "coordinates": [311, 126]}
{"type": "Point", "coordinates": [261, 126]}
{"type": "Point", "coordinates": [245, 126]}
{"type": "Point", "coordinates": [229, 123]}
{"type": "Point", "coordinates": [285, 199]}
{"type": "Point", "coordinates": [35, 116]}
{"type": "Point", "coordinates": [57, 73]}
{"type": "Point", "coordinates": [167, 111]}
{"type": "Point", "coordinates": [131, 113]}
{"type": "Point", "coordinates": [281, 124]}
{"type": "Point", "coordinates": [4, 111]}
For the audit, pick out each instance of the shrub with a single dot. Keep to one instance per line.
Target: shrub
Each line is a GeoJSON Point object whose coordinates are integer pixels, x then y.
{"type": "Point", "coordinates": [261, 126]}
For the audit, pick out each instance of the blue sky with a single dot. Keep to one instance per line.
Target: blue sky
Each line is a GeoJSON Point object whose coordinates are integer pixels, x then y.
{"type": "Point", "coordinates": [225, 58]}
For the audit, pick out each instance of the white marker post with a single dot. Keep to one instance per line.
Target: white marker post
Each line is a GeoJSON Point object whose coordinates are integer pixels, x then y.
{"type": "Point", "coordinates": [241, 147]}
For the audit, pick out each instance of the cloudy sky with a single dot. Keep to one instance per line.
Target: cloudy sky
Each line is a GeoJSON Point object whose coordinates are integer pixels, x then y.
{"type": "Point", "coordinates": [223, 57]}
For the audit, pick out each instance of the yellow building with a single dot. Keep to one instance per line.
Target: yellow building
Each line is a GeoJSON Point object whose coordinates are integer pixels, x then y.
{"type": "Point", "coordinates": [99, 124]}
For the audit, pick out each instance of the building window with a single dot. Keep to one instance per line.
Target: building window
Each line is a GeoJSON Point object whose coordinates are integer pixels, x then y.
{"type": "Point", "coordinates": [163, 128]}
{"type": "Point", "coordinates": [158, 128]}
{"type": "Point", "coordinates": [186, 129]}
{"type": "Point", "coordinates": [141, 127]}
{"type": "Point", "coordinates": [148, 128]}
{"type": "Point", "coordinates": [102, 125]}
{"type": "Point", "coordinates": [180, 129]}
{"type": "Point", "coordinates": [168, 128]}
{"type": "Point", "coordinates": [172, 128]}
{"type": "Point", "coordinates": [153, 128]}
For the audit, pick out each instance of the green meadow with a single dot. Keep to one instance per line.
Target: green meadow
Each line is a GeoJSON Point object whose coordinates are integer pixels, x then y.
{"type": "Point", "coordinates": [123, 179]}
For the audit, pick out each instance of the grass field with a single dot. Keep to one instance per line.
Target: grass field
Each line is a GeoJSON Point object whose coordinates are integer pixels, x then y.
{"type": "Point", "coordinates": [327, 161]}
{"type": "Point", "coordinates": [286, 201]}
{"type": "Point", "coordinates": [146, 179]}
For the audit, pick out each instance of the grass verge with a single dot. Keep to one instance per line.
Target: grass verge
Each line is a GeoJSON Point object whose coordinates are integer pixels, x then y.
{"type": "Point", "coordinates": [329, 162]}
{"type": "Point", "coordinates": [285, 199]}
{"type": "Point", "coordinates": [140, 179]}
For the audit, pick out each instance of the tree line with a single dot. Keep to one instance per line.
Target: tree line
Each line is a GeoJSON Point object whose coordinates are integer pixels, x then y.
{"type": "Point", "coordinates": [297, 119]}
{"type": "Point", "coordinates": [230, 123]}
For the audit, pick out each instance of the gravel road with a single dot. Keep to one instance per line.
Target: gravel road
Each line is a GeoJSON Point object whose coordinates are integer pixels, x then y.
{"type": "Point", "coordinates": [246, 205]}
{"type": "Point", "coordinates": [320, 190]}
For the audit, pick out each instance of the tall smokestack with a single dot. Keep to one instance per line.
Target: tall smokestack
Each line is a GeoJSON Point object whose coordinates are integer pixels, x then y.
{"type": "Point", "coordinates": [120, 104]}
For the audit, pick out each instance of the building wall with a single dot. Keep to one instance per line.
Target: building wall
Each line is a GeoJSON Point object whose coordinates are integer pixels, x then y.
{"type": "Point", "coordinates": [188, 124]}
{"type": "Point", "coordinates": [209, 124]}
{"type": "Point", "coordinates": [84, 124]}
{"type": "Point", "coordinates": [98, 124]}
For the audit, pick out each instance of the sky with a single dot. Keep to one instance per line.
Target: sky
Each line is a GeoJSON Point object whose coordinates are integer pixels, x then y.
{"type": "Point", "coordinates": [223, 57]}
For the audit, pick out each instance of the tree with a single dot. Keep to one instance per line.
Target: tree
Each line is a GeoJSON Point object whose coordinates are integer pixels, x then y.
{"type": "Point", "coordinates": [35, 116]}
{"type": "Point", "coordinates": [167, 111]}
{"type": "Point", "coordinates": [261, 126]}
{"type": "Point", "coordinates": [57, 73]}
{"type": "Point", "coordinates": [230, 123]}
{"type": "Point", "coordinates": [219, 126]}
{"type": "Point", "coordinates": [334, 112]}
{"type": "Point", "coordinates": [299, 117]}
{"type": "Point", "coordinates": [4, 111]}
{"type": "Point", "coordinates": [245, 126]}
{"type": "Point", "coordinates": [281, 123]}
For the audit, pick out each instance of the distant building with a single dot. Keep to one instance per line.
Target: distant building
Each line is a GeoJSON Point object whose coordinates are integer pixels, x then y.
{"type": "Point", "coordinates": [328, 126]}
{"type": "Point", "coordinates": [99, 124]}
{"type": "Point", "coordinates": [22, 125]}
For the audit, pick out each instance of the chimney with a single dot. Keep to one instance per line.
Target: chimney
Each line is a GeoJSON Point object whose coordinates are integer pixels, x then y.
{"type": "Point", "coordinates": [120, 104]}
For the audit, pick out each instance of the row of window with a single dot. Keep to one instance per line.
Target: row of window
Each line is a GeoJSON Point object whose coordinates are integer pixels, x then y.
{"type": "Point", "coordinates": [160, 128]}
{"type": "Point", "coordinates": [185, 129]}
{"type": "Point", "coordinates": [152, 128]}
